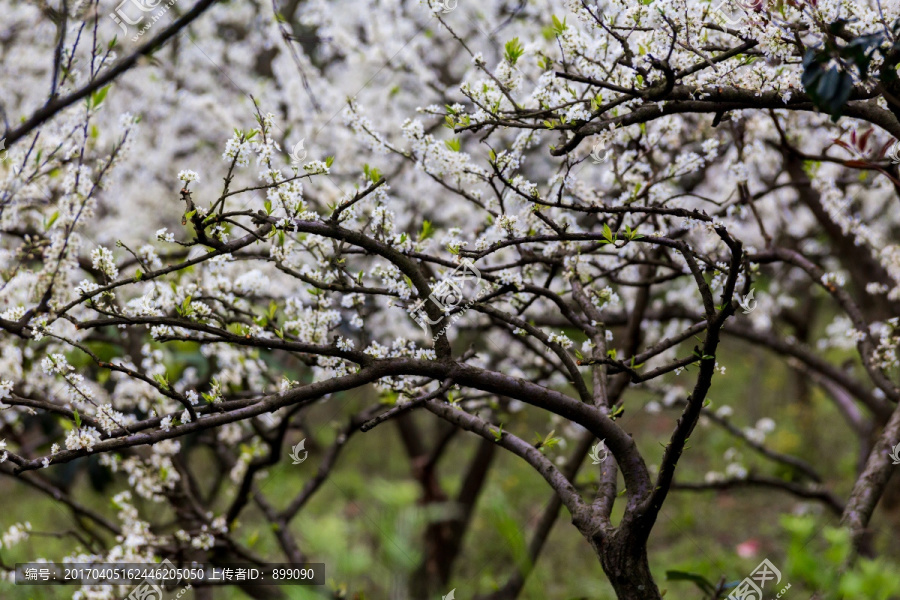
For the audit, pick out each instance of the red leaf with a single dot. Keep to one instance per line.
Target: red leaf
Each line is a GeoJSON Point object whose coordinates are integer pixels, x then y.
{"type": "Point", "coordinates": [864, 140]}
{"type": "Point", "coordinates": [843, 145]}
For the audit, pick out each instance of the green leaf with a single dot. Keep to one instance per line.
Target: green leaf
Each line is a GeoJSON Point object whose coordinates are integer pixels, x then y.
{"type": "Point", "coordinates": [544, 442]}
{"type": "Point", "coordinates": [811, 167]}
{"type": "Point", "coordinates": [631, 234]}
{"type": "Point", "coordinates": [371, 173]}
{"type": "Point", "coordinates": [514, 51]}
{"type": "Point", "coordinates": [52, 220]}
{"type": "Point", "coordinates": [558, 26]}
{"type": "Point", "coordinates": [427, 231]}
{"type": "Point", "coordinates": [162, 380]}
{"type": "Point", "coordinates": [608, 234]}
{"type": "Point", "coordinates": [185, 309]}
{"type": "Point", "coordinates": [77, 418]}
{"type": "Point", "coordinates": [98, 96]}
{"type": "Point", "coordinates": [453, 144]}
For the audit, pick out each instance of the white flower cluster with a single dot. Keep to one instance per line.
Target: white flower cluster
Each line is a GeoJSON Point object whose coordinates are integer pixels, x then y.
{"type": "Point", "coordinates": [164, 235]}
{"type": "Point", "coordinates": [82, 437]}
{"type": "Point", "coordinates": [187, 176]}
{"type": "Point", "coordinates": [204, 540]}
{"type": "Point", "coordinates": [248, 452]}
{"type": "Point", "coordinates": [111, 419]}
{"type": "Point", "coordinates": [102, 260]}
{"type": "Point", "coordinates": [6, 387]}
{"type": "Point", "coordinates": [759, 432]}
{"type": "Point", "coordinates": [15, 534]}
{"type": "Point", "coordinates": [472, 192]}
{"type": "Point", "coordinates": [56, 364]}
{"type": "Point", "coordinates": [560, 338]}
{"type": "Point", "coordinates": [605, 297]}
{"type": "Point", "coordinates": [238, 149]}
{"type": "Point", "coordinates": [734, 469]}
{"type": "Point", "coordinates": [136, 534]}
{"type": "Point", "coordinates": [152, 476]}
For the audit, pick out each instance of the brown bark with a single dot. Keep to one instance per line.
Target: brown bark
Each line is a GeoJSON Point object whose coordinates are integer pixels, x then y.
{"type": "Point", "coordinates": [623, 556]}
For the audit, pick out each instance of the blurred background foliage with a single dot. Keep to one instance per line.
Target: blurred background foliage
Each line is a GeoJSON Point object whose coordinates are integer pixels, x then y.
{"type": "Point", "coordinates": [366, 523]}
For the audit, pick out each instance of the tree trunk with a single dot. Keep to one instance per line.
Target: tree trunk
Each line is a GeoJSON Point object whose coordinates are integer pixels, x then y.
{"type": "Point", "coordinates": [624, 560]}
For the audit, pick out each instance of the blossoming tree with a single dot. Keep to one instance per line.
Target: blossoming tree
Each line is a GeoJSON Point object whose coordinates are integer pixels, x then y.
{"type": "Point", "coordinates": [236, 211]}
